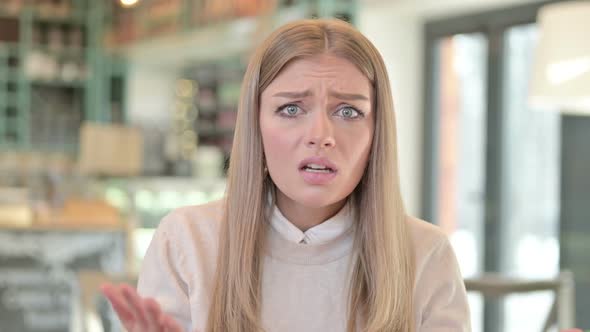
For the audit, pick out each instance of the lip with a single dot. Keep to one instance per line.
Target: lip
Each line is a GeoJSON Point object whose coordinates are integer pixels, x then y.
{"type": "Point", "coordinates": [317, 178]}
{"type": "Point", "coordinates": [320, 161]}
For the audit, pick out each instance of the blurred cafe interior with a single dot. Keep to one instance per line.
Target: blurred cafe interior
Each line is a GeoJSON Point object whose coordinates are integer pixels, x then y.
{"type": "Point", "coordinates": [115, 112]}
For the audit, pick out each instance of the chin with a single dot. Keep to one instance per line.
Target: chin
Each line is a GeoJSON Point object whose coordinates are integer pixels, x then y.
{"type": "Point", "coordinates": [314, 198]}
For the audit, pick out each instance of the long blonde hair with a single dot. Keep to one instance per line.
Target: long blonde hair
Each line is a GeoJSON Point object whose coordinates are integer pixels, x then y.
{"type": "Point", "coordinates": [381, 289]}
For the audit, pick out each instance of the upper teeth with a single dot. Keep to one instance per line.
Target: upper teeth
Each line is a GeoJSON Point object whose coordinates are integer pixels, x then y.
{"type": "Point", "coordinates": [316, 166]}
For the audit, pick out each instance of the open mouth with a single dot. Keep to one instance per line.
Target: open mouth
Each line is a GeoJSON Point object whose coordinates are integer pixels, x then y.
{"type": "Point", "coordinates": [316, 168]}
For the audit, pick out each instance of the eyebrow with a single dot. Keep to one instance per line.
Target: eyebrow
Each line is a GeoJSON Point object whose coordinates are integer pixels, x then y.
{"type": "Point", "coordinates": [294, 94]}
{"type": "Point", "coordinates": [348, 96]}
{"type": "Point", "coordinates": [307, 93]}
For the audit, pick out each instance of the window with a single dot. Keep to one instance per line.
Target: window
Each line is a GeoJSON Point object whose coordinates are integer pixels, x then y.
{"type": "Point", "coordinates": [492, 164]}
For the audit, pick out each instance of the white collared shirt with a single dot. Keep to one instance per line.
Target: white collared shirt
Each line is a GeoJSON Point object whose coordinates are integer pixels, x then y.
{"type": "Point", "coordinates": [322, 233]}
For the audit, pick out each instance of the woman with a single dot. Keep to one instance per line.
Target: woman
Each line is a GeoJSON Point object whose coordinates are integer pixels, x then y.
{"type": "Point", "coordinates": [312, 234]}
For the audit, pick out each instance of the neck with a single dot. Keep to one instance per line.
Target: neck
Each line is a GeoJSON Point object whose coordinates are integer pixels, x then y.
{"type": "Point", "coordinates": [306, 217]}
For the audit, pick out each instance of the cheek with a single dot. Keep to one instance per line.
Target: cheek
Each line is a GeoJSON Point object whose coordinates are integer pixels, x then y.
{"type": "Point", "coordinates": [363, 150]}
{"type": "Point", "coordinates": [276, 143]}
{"type": "Point", "coordinates": [358, 146]}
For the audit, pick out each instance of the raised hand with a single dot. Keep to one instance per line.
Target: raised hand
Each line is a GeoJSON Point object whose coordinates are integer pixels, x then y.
{"type": "Point", "coordinates": [136, 313]}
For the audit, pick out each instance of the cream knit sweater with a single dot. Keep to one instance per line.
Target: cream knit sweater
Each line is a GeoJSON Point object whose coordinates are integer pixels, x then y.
{"type": "Point", "coordinates": [304, 285]}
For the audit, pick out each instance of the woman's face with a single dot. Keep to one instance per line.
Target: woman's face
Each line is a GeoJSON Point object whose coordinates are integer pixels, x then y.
{"type": "Point", "coordinates": [317, 125]}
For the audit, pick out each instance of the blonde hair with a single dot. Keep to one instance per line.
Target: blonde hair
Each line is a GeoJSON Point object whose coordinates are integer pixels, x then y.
{"type": "Point", "coordinates": [381, 289]}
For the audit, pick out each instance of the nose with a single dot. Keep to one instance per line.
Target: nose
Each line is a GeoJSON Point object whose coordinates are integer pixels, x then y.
{"type": "Point", "coordinates": [321, 134]}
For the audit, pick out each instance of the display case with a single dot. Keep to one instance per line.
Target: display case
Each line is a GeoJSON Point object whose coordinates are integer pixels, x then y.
{"type": "Point", "coordinates": [144, 202]}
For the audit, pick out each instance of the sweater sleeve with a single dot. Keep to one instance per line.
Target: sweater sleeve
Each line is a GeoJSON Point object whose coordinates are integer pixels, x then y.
{"type": "Point", "coordinates": [443, 299]}
{"type": "Point", "coordinates": [161, 278]}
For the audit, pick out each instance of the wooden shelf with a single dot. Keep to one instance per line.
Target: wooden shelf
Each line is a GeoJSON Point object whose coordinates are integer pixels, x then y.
{"type": "Point", "coordinates": [68, 148]}
{"type": "Point", "coordinates": [6, 48]}
{"type": "Point", "coordinates": [10, 99]}
{"type": "Point", "coordinates": [233, 38]}
{"type": "Point", "coordinates": [65, 52]}
{"type": "Point", "coordinates": [9, 74]}
{"type": "Point", "coordinates": [73, 18]}
{"type": "Point", "coordinates": [77, 84]}
{"type": "Point", "coordinates": [10, 122]}
{"type": "Point", "coordinates": [77, 19]}
{"type": "Point", "coordinates": [6, 15]}
{"type": "Point", "coordinates": [64, 227]}
{"type": "Point", "coordinates": [34, 26]}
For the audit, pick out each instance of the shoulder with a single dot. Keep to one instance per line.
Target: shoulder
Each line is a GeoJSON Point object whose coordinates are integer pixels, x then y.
{"type": "Point", "coordinates": [430, 242]}
{"type": "Point", "coordinates": [181, 258]}
{"type": "Point", "coordinates": [188, 239]}
{"type": "Point", "coordinates": [440, 298]}
{"type": "Point", "coordinates": [425, 236]}
{"type": "Point", "coordinates": [190, 223]}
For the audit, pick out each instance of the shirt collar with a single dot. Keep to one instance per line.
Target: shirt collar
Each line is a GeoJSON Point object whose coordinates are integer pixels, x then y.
{"type": "Point", "coordinates": [322, 233]}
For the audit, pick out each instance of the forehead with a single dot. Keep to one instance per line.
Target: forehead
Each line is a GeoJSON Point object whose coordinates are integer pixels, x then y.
{"type": "Point", "coordinates": [323, 70]}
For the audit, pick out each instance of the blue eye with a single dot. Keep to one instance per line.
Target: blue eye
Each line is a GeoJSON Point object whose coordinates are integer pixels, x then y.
{"type": "Point", "coordinates": [289, 110]}
{"type": "Point", "coordinates": [349, 113]}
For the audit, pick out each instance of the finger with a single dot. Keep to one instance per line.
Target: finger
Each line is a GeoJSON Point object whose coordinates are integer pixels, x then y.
{"type": "Point", "coordinates": [135, 305]}
{"type": "Point", "coordinates": [153, 313]}
{"type": "Point", "coordinates": [169, 323]}
{"type": "Point", "coordinates": [119, 303]}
